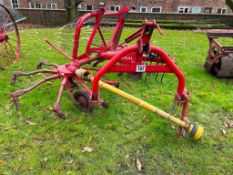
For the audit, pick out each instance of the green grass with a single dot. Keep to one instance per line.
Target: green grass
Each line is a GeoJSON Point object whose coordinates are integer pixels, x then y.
{"type": "Point", "coordinates": [123, 132]}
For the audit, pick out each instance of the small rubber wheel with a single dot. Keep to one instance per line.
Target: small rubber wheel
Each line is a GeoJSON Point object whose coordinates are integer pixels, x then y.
{"type": "Point", "coordinates": [135, 75]}
{"type": "Point", "coordinates": [82, 100]}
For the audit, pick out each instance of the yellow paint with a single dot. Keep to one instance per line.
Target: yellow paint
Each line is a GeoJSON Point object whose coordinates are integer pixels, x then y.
{"type": "Point", "coordinates": [143, 104]}
{"type": "Point", "coordinates": [198, 133]}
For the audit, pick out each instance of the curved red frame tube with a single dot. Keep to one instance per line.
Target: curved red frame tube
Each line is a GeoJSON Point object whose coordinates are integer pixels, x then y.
{"type": "Point", "coordinates": [17, 54]}
{"type": "Point", "coordinates": [98, 15]}
{"type": "Point", "coordinates": [170, 63]}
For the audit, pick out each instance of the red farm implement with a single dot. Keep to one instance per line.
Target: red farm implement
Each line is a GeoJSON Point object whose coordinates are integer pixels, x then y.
{"type": "Point", "coordinates": [219, 61]}
{"type": "Point", "coordinates": [9, 36]}
{"type": "Point", "coordinates": [139, 58]}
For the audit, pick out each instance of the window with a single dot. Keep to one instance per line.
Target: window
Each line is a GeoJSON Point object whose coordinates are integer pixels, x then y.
{"type": "Point", "coordinates": [15, 3]}
{"type": "Point", "coordinates": [156, 9]}
{"type": "Point", "coordinates": [183, 10]}
{"type": "Point", "coordinates": [143, 9]}
{"type": "Point", "coordinates": [29, 5]}
{"type": "Point", "coordinates": [133, 8]}
{"type": "Point", "coordinates": [38, 5]}
{"type": "Point", "coordinates": [89, 7]}
{"type": "Point", "coordinates": [115, 8]}
{"type": "Point", "coordinates": [196, 10]}
{"type": "Point", "coordinates": [222, 11]}
{"type": "Point", "coordinates": [79, 7]}
{"type": "Point", "coordinates": [101, 4]}
{"type": "Point", "coordinates": [208, 10]}
{"type": "Point", "coordinates": [52, 6]}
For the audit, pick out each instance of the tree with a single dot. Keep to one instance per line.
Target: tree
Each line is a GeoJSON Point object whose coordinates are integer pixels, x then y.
{"type": "Point", "coordinates": [230, 4]}
{"type": "Point", "coordinates": [71, 8]}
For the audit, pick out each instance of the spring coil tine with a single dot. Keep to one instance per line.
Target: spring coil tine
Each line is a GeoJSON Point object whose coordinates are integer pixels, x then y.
{"type": "Point", "coordinates": [161, 80]}
{"type": "Point", "coordinates": [148, 74]}
{"type": "Point", "coordinates": [157, 74]}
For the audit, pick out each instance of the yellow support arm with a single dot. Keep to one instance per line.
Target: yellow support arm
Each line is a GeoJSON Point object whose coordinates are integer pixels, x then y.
{"type": "Point", "coordinates": [195, 131]}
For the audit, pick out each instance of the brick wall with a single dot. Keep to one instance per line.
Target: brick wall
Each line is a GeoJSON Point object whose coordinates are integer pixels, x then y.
{"type": "Point", "coordinates": [59, 17]}
{"type": "Point", "coordinates": [44, 3]}
{"type": "Point", "coordinates": [7, 3]}
{"type": "Point", "coordinates": [168, 6]}
{"type": "Point", "coordinates": [47, 18]}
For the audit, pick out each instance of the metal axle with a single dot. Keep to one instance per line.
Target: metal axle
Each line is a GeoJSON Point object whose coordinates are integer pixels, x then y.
{"type": "Point", "coordinates": [195, 131]}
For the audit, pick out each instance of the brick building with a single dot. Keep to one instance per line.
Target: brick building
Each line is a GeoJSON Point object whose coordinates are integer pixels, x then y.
{"type": "Point", "coordinates": [162, 6]}
{"type": "Point", "coordinates": [35, 4]}
{"type": "Point", "coordinates": [146, 6]}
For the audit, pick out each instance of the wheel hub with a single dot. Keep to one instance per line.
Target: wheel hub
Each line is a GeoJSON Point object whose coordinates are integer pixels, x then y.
{"type": "Point", "coordinates": [82, 100]}
{"type": "Point", "coordinates": [3, 37]}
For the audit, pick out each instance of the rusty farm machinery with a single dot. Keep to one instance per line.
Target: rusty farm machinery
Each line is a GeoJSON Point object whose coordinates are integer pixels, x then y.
{"type": "Point", "coordinates": [9, 36]}
{"type": "Point", "coordinates": [219, 61]}
{"type": "Point", "coordinates": [141, 57]}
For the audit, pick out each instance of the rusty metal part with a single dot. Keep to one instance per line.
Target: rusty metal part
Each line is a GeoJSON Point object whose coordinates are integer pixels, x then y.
{"type": "Point", "coordinates": [58, 49]}
{"type": "Point", "coordinates": [219, 61]}
{"type": "Point", "coordinates": [225, 66]}
{"type": "Point", "coordinates": [220, 33]}
{"type": "Point", "coordinates": [18, 74]}
{"type": "Point", "coordinates": [44, 63]}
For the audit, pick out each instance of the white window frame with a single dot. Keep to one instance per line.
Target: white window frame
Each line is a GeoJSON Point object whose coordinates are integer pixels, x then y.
{"type": "Point", "coordinates": [209, 8]}
{"type": "Point", "coordinates": [158, 7]}
{"type": "Point", "coordinates": [133, 10]}
{"type": "Point", "coordinates": [222, 11]}
{"type": "Point", "coordinates": [79, 7]}
{"type": "Point", "coordinates": [115, 7]}
{"type": "Point", "coordinates": [91, 7]}
{"type": "Point", "coordinates": [36, 7]}
{"type": "Point", "coordinates": [196, 8]}
{"type": "Point", "coordinates": [12, 4]}
{"type": "Point", "coordinates": [141, 7]}
{"type": "Point", "coordinates": [51, 4]}
{"type": "Point", "coordinates": [101, 3]}
{"type": "Point", "coordinates": [183, 7]}
{"type": "Point", "coordinates": [110, 7]}
{"type": "Point", "coordinates": [29, 5]}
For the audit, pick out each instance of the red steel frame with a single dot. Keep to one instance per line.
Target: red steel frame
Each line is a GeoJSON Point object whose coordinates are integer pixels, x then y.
{"type": "Point", "coordinates": [115, 56]}
{"type": "Point", "coordinates": [119, 57]}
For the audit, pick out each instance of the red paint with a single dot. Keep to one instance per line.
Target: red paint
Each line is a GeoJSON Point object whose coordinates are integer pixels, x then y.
{"type": "Point", "coordinates": [140, 57]}
{"type": "Point", "coordinates": [4, 33]}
